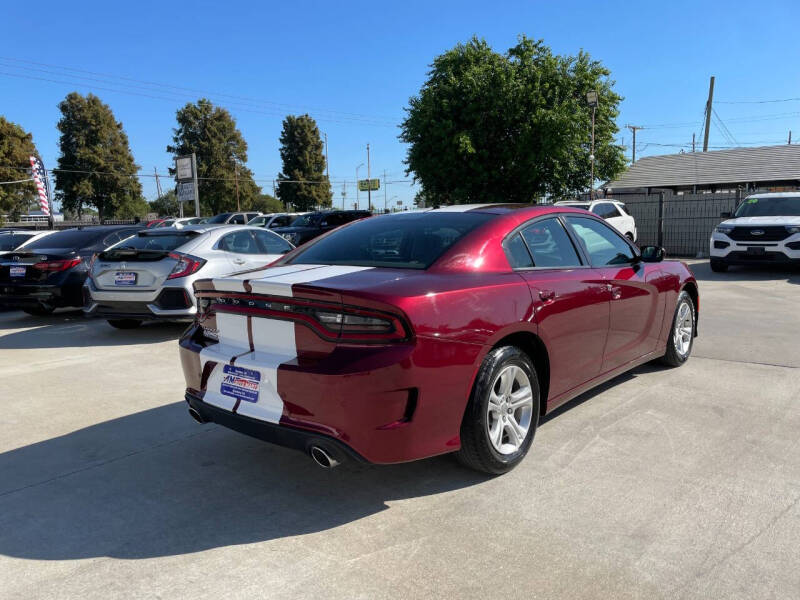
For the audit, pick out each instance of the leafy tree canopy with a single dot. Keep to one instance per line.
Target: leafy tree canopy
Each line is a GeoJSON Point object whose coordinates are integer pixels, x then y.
{"type": "Point", "coordinates": [513, 127]}
{"type": "Point", "coordinates": [211, 133]}
{"type": "Point", "coordinates": [96, 164]}
{"type": "Point", "coordinates": [166, 205]}
{"type": "Point", "coordinates": [16, 148]}
{"type": "Point", "coordinates": [302, 182]}
{"type": "Point", "coordinates": [265, 203]}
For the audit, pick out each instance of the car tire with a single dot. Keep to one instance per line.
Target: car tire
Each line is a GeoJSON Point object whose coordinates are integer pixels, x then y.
{"type": "Point", "coordinates": [124, 323]}
{"type": "Point", "coordinates": [41, 310]}
{"type": "Point", "coordinates": [490, 436]}
{"type": "Point", "coordinates": [718, 265]}
{"type": "Point", "coordinates": [681, 338]}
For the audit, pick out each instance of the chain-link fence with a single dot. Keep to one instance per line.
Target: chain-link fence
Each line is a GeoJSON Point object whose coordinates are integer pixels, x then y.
{"type": "Point", "coordinates": [681, 223]}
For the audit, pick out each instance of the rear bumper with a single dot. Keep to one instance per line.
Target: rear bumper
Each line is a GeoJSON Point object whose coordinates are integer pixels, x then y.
{"type": "Point", "coordinates": [24, 295]}
{"type": "Point", "coordinates": [280, 435]}
{"type": "Point", "coordinates": [387, 404]}
{"type": "Point", "coordinates": [167, 303]}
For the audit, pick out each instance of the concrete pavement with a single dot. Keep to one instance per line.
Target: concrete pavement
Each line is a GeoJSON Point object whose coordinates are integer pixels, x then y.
{"type": "Point", "coordinates": [664, 483]}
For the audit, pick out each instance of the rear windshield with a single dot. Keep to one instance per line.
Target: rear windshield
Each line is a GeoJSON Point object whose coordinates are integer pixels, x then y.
{"type": "Point", "coordinates": [412, 241]}
{"type": "Point", "coordinates": [221, 218]}
{"type": "Point", "coordinates": [145, 241]}
{"type": "Point", "coordinates": [788, 206]}
{"type": "Point", "coordinates": [307, 220]}
{"type": "Point", "coordinates": [71, 239]}
{"type": "Point", "coordinates": [9, 241]}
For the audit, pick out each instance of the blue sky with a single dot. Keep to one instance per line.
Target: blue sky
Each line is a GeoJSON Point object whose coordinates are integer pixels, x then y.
{"type": "Point", "coordinates": [353, 66]}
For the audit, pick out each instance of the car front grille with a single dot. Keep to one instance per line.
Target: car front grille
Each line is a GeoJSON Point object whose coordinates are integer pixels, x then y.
{"type": "Point", "coordinates": [773, 233]}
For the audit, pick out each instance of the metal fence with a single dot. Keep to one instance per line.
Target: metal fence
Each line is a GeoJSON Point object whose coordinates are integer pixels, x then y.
{"type": "Point", "coordinates": [681, 223]}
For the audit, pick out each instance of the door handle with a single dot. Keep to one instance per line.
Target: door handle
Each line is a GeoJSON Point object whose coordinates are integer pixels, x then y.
{"type": "Point", "coordinates": [238, 261]}
{"type": "Point", "coordinates": [616, 292]}
{"type": "Point", "coordinates": [547, 295]}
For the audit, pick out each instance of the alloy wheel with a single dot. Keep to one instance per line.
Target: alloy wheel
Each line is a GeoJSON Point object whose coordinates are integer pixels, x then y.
{"type": "Point", "coordinates": [510, 410]}
{"type": "Point", "coordinates": [684, 327]}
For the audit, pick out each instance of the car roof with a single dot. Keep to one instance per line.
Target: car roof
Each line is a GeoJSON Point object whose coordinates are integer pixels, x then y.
{"type": "Point", "coordinates": [775, 195]}
{"type": "Point", "coordinates": [200, 228]}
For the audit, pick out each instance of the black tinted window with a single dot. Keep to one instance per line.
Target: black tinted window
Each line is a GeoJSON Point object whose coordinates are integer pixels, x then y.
{"type": "Point", "coordinates": [518, 255]}
{"type": "Point", "coordinates": [155, 242]}
{"type": "Point", "coordinates": [9, 241]}
{"type": "Point", "coordinates": [550, 245]}
{"type": "Point", "coordinates": [603, 245]}
{"type": "Point", "coordinates": [70, 239]}
{"type": "Point", "coordinates": [410, 241]}
{"type": "Point", "coordinates": [270, 243]}
{"type": "Point", "coordinates": [785, 206]}
{"type": "Point", "coordinates": [605, 210]}
{"type": "Point", "coordinates": [237, 220]}
{"type": "Point", "coordinates": [220, 218]}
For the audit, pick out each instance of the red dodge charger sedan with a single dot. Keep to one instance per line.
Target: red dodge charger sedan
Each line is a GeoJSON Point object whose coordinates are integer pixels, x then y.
{"type": "Point", "coordinates": [451, 330]}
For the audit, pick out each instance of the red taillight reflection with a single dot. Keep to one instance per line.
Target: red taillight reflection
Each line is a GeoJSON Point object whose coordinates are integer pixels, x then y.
{"type": "Point", "coordinates": [57, 265]}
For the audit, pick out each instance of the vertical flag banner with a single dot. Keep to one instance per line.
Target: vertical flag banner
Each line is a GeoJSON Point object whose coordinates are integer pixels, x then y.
{"type": "Point", "coordinates": [40, 179]}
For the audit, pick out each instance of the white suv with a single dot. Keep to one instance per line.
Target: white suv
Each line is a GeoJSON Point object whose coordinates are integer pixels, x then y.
{"type": "Point", "coordinates": [614, 212]}
{"type": "Point", "coordinates": [765, 229]}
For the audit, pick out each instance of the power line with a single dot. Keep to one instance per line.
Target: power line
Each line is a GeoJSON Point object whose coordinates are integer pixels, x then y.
{"type": "Point", "coordinates": [757, 101]}
{"type": "Point", "coordinates": [17, 181]}
{"type": "Point", "coordinates": [181, 92]}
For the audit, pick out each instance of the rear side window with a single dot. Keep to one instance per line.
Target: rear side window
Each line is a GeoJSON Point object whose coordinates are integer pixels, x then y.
{"type": "Point", "coordinates": [280, 222]}
{"type": "Point", "coordinates": [605, 210]}
{"type": "Point", "coordinates": [270, 243]}
{"type": "Point", "coordinates": [407, 241]}
{"type": "Point", "coordinates": [518, 254]}
{"type": "Point", "coordinates": [550, 245]}
{"type": "Point", "coordinates": [239, 242]}
{"type": "Point", "coordinates": [237, 220]}
{"type": "Point", "coordinates": [9, 241]}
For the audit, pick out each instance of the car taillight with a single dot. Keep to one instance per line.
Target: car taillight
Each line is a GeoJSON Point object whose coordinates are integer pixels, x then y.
{"type": "Point", "coordinates": [187, 265]}
{"type": "Point", "coordinates": [57, 265]}
{"type": "Point", "coordinates": [351, 324]}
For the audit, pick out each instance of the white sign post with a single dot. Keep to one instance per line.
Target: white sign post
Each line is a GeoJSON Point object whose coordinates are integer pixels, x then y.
{"type": "Point", "coordinates": [186, 176]}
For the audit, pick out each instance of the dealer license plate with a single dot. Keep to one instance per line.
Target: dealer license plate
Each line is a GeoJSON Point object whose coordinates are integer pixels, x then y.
{"type": "Point", "coordinates": [124, 278]}
{"type": "Point", "coordinates": [757, 250]}
{"type": "Point", "coordinates": [16, 271]}
{"type": "Point", "coordinates": [240, 383]}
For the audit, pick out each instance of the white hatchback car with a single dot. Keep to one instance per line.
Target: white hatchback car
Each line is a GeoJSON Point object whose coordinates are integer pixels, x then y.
{"type": "Point", "coordinates": [765, 229]}
{"type": "Point", "coordinates": [151, 274]}
{"type": "Point", "coordinates": [613, 211]}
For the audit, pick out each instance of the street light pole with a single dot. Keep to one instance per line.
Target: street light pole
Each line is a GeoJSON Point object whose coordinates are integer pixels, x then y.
{"type": "Point", "coordinates": [369, 183]}
{"type": "Point", "coordinates": [591, 100]}
{"type": "Point", "coordinates": [357, 168]}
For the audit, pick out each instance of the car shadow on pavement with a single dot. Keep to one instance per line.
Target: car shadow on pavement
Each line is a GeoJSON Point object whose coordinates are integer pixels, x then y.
{"type": "Point", "coordinates": [155, 483]}
{"type": "Point", "coordinates": [702, 272]}
{"type": "Point", "coordinates": [70, 329]}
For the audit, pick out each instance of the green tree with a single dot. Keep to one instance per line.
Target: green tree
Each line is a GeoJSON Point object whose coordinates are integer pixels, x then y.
{"type": "Point", "coordinates": [166, 205]}
{"type": "Point", "coordinates": [265, 203]}
{"type": "Point", "coordinates": [96, 165]}
{"type": "Point", "coordinates": [211, 133]}
{"type": "Point", "coordinates": [513, 127]}
{"type": "Point", "coordinates": [302, 182]}
{"type": "Point", "coordinates": [16, 148]}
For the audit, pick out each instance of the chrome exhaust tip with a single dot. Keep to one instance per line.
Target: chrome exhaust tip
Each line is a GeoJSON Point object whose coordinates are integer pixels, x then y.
{"type": "Point", "coordinates": [197, 416]}
{"type": "Point", "coordinates": [322, 458]}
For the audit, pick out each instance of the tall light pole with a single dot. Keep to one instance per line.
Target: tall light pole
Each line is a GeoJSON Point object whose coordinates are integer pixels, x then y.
{"type": "Point", "coordinates": [327, 162]}
{"type": "Point", "coordinates": [369, 183]}
{"type": "Point", "coordinates": [591, 100]}
{"type": "Point", "coordinates": [357, 168]}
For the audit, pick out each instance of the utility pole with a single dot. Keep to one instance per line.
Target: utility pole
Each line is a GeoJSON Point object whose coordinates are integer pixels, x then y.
{"type": "Point", "coordinates": [385, 203]}
{"type": "Point", "coordinates": [236, 179]}
{"type": "Point", "coordinates": [634, 129]}
{"type": "Point", "coordinates": [357, 168]}
{"type": "Point", "coordinates": [693, 142]}
{"type": "Point", "coordinates": [327, 162]}
{"type": "Point", "coordinates": [369, 183]}
{"type": "Point", "coordinates": [790, 138]}
{"type": "Point", "coordinates": [158, 183]}
{"type": "Point", "coordinates": [344, 192]}
{"type": "Point", "coordinates": [708, 113]}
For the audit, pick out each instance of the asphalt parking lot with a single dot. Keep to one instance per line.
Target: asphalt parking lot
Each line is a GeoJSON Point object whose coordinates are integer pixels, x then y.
{"type": "Point", "coordinates": [663, 483]}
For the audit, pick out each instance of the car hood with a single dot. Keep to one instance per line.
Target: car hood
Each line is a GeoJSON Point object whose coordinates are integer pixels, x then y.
{"type": "Point", "coordinates": [763, 221]}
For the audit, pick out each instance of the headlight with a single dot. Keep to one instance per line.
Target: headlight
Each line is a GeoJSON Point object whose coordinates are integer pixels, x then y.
{"type": "Point", "coordinates": [793, 229]}
{"type": "Point", "coordinates": [726, 229]}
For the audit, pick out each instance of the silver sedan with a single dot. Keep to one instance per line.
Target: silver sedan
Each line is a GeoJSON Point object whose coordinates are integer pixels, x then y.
{"type": "Point", "coordinates": [150, 275]}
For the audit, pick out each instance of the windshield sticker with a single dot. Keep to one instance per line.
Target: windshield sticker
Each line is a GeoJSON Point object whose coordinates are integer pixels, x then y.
{"type": "Point", "coordinates": [240, 383]}
{"type": "Point", "coordinates": [751, 200]}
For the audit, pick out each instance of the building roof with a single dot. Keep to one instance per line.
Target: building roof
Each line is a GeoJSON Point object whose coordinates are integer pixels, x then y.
{"type": "Point", "coordinates": [738, 165]}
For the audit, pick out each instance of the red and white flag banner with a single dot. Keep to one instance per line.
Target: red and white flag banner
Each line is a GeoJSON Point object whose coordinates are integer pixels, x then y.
{"type": "Point", "coordinates": [37, 169]}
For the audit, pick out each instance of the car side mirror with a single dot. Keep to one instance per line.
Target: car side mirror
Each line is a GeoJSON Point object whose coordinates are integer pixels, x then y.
{"type": "Point", "coordinates": [652, 254]}
{"type": "Point", "coordinates": [726, 215]}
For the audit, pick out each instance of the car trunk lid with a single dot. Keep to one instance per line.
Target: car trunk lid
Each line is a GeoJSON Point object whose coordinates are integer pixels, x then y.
{"type": "Point", "coordinates": [36, 266]}
{"type": "Point", "coordinates": [136, 269]}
